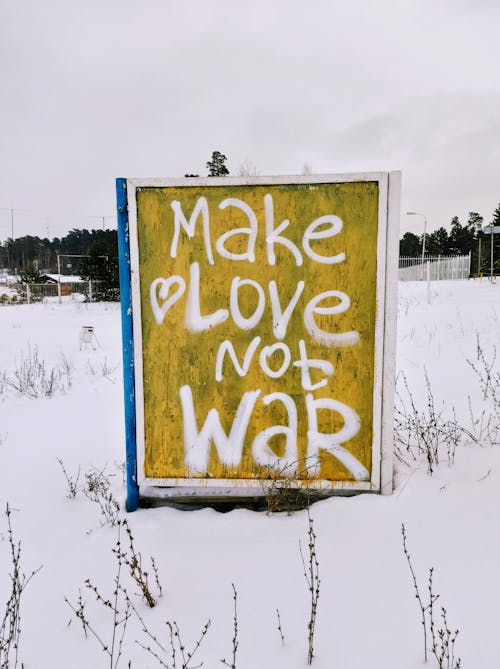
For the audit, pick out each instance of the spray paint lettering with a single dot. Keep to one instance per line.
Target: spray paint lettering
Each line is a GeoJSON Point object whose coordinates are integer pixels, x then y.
{"type": "Point", "coordinates": [261, 318]}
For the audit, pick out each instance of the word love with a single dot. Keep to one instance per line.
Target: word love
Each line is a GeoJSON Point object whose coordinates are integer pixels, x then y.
{"type": "Point", "coordinates": [229, 447]}
{"type": "Point", "coordinates": [323, 227]}
{"type": "Point", "coordinates": [164, 293]}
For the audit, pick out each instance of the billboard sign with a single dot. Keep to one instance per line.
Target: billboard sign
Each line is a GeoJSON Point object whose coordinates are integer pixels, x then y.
{"type": "Point", "coordinates": [258, 332]}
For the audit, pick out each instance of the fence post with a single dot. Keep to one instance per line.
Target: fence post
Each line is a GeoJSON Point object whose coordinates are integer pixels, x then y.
{"type": "Point", "coordinates": [59, 278]}
{"type": "Point", "coordinates": [90, 290]}
{"type": "Point", "coordinates": [28, 294]}
{"type": "Point", "coordinates": [428, 268]}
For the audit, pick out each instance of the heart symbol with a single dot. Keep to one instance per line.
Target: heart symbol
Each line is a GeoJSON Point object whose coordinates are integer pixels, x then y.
{"type": "Point", "coordinates": [159, 310]}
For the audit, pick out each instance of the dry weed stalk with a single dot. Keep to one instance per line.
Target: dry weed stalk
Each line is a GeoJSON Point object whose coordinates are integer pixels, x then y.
{"type": "Point", "coordinates": [284, 493]}
{"type": "Point", "coordinates": [133, 560]}
{"type": "Point", "coordinates": [98, 489]}
{"type": "Point", "coordinates": [443, 639]}
{"type": "Point", "coordinates": [487, 426]}
{"type": "Point", "coordinates": [119, 607]}
{"type": "Point", "coordinates": [280, 629]}
{"type": "Point", "coordinates": [235, 631]}
{"type": "Point", "coordinates": [119, 604]}
{"type": "Point", "coordinates": [10, 625]}
{"type": "Point", "coordinates": [71, 481]}
{"type": "Point", "coordinates": [311, 573]}
{"type": "Point", "coordinates": [418, 597]}
{"type": "Point", "coordinates": [161, 653]}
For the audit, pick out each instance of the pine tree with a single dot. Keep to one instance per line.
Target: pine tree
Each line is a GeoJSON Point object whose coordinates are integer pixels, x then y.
{"type": "Point", "coordinates": [475, 221]}
{"type": "Point", "coordinates": [462, 237]}
{"type": "Point", "coordinates": [30, 274]}
{"type": "Point", "coordinates": [496, 216]}
{"type": "Point", "coordinates": [410, 245]}
{"type": "Point", "coordinates": [437, 242]}
{"type": "Point", "coordinates": [216, 166]}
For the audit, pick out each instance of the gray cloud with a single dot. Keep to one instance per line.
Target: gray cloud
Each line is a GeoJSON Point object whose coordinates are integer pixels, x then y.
{"type": "Point", "coordinates": [96, 90]}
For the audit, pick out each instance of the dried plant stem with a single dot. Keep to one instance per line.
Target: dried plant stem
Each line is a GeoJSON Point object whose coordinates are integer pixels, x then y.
{"type": "Point", "coordinates": [443, 639]}
{"type": "Point", "coordinates": [417, 591]}
{"type": "Point", "coordinates": [280, 630]}
{"type": "Point", "coordinates": [10, 623]}
{"type": "Point", "coordinates": [133, 560]}
{"type": "Point", "coordinates": [311, 573]}
{"type": "Point", "coordinates": [235, 630]}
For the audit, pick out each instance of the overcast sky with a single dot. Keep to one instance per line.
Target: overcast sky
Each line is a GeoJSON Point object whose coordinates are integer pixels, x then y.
{"type": "Point", "coordinates": [95, 89]}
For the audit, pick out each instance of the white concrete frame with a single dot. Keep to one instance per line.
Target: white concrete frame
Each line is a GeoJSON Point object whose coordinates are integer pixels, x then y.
{"type": "Point", "coordinates": [389, 185]}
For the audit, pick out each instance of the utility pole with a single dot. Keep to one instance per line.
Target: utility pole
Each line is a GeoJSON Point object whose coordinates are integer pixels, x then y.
{"type": "Point", "coordinates": [479, 259]}
{"type": "Point", "coordinates": [11, 211]}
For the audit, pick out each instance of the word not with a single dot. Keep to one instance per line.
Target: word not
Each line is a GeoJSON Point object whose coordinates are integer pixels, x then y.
{"type": "Point", "coordinates": [229, 447]}
{"type": "Point", "coordinates": [162, 299]}
{"type": "Point", "coordinates": [321, 228]}
{"type": "Point", "coordinates": [304, 362]}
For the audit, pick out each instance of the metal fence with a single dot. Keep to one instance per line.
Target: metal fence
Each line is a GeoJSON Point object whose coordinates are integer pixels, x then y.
{"type": "Point", "coordinates": [77, 291]}
{"type": "Point", "coordinates": [439, 267]}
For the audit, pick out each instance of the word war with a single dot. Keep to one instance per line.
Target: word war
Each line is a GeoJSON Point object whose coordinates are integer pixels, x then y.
{"type": "Point", "coordinates": [230, 447]}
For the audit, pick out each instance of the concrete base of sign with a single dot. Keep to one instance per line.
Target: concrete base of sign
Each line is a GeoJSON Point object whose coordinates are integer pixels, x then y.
{"type": "Point", "coordinates": [270, 497]}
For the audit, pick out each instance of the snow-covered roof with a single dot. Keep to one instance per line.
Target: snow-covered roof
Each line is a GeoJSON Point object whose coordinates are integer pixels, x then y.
{"type": "Point", "coordinates": [65, 278]}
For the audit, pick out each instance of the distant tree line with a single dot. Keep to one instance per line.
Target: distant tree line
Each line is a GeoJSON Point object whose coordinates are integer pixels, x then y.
{"type": "Point", "coordinates": [461, 240]}
{"type": "Point", "coordinates": [33, 256]}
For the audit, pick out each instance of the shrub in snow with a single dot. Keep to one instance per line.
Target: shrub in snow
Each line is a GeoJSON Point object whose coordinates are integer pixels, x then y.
{"type": "Point", "coordinates": [177, 651]}
{"type": "Point", "coordinates": [98, 489]}
{"type": "Point", "coordinates": [425, 433]}
{"type": "Point", "coordinates": [132, 559]}
{"type": "Point", "coordinates": [120, 607]}
{"type": "Point", "coordinates": [486, 426]}
{"type": "Point", "coordinates": [33, 379]}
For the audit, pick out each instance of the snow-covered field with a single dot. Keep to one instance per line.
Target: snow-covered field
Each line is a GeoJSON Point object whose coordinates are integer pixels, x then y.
{"type": "Point", "coordinates": [367, 615]}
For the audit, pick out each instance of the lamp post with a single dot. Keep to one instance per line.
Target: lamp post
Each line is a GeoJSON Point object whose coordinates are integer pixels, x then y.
{"type": "Point", "coordinates": [416, 213]}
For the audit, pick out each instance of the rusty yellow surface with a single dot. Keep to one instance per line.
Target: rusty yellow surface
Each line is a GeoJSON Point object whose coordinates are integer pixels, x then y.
{"type": "Point", "coordinates": [174, 357]}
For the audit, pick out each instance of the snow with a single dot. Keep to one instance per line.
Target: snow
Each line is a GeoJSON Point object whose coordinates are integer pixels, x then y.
{"type": "Point", "coordinates": [367, 613]}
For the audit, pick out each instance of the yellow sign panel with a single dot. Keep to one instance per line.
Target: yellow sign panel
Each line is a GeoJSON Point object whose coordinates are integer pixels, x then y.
{"type": "Point", "coordinates": [258, 327]}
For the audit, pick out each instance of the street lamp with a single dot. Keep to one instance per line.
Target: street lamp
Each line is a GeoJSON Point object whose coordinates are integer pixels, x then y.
{"type": "Point", "coordinates": [416, 213]}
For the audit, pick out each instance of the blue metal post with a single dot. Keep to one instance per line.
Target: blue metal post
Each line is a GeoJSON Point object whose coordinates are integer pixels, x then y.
{"type": "Point", "coordinates": [128, 344]}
